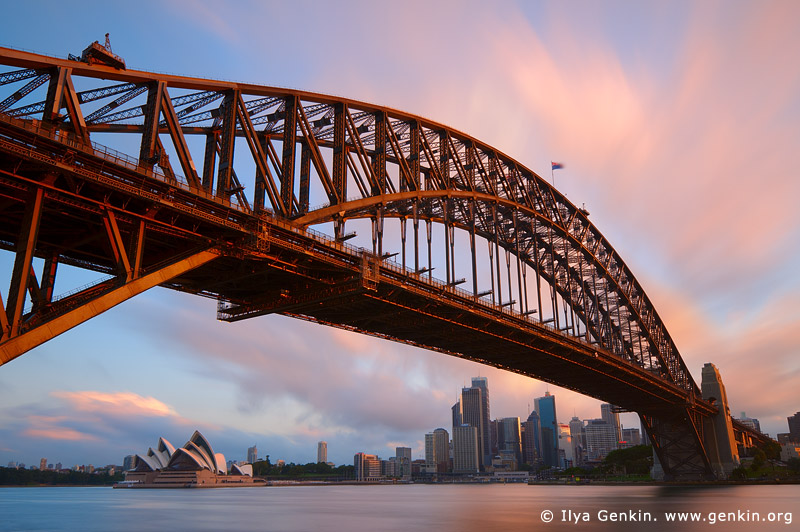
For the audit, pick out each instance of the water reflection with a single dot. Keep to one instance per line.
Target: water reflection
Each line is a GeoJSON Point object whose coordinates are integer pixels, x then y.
{"type": "Point", "coordinates": [462, 508]}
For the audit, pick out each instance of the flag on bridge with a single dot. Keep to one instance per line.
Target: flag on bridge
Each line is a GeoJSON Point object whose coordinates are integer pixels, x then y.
{"type": "Point", "coordinates": [556, 166]}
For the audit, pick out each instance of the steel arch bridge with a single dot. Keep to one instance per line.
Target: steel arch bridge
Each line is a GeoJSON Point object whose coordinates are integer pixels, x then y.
{"type": "Point", "coordinates": [549, 297]}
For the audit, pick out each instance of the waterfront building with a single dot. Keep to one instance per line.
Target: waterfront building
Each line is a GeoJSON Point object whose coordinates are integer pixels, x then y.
{"type": "Point", "coordinates": [389, 468]}
{"type": "Point", "coordinates": [441, 444]}
{"type": "Point", "coordinates": [430, 453]}
{"type": "Point", "coordinates": [437, 451]}
{"type": "Point", "coordinates": [403, 460]}
{"type": "Point", "coordinates": [252, 454]}
{"type": "Point", "coordinates": [466, 458]}
{"type": "Point", "coordinates": [601, 439]}
{"type": "Point", "coordinates": [367, 467]}
{"type": "Point", "coordinates": [546, 408]}
{"type": "Point", "coordinates": [794, 427]}
{"type": "Point", "coordinates": [322, 452]}
{"type": "Point", "coordinates": [193, 465]}
{"type": "Point", "coordinates": [610, 416]}
{"type": "Point", "coordinates": [482, 383]}
{"type": "Point", "coordinates": [509, 438]}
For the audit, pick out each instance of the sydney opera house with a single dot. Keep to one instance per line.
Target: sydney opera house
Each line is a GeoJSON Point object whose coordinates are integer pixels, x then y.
{"type": "Point", "coordinates": [195, 465]}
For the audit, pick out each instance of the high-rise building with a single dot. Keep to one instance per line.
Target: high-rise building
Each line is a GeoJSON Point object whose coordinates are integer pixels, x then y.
{"type": "Point", "coordinates": [252, 454]}
{"type": "Point", "coordinates": [483, 384]}
{"type": "Point", "coordinates": [466, 458]}
{"type": "Point", "coordinates": [532, 439]}
{"type": "Point", "coordinates": [437, 451]}
{"type": "Point", "coordinates": [43, 464]}
{"type": "Point", "coordinates": [566, 445]}
{"type": "Point", "coordinates": [494, 437]}
{"type": "Point", "coordinates": [546, 408]}
{"type": "Point", "coordinates": [578, 438]}
{"type": "Point", "coordinates": [611, 417]}
{"type": "Point", "coordinates": [794, 427]}
{"type": "Point", "coordinates": [367, 467]}
{"type": "Point", "coordinates": [430, 453]}
{"type": "Point", "coordinates": [322, 452]}
{"type": "Point", "coordinates": [509, 439]}
{"type": "Point", "coordinates": [403, 462]}
{"type": "Point", "coordinates": [456, 410]}
{"type": "Point", "coordinates": [601, 439]}
{"type": "Point", "coordinates": [472, 415]}
{"type": "Point", "coordinates": [441, 445]}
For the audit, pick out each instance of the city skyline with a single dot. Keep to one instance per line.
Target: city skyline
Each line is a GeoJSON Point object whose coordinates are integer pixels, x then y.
{"type": "Point", "coordinates": [676, 129]}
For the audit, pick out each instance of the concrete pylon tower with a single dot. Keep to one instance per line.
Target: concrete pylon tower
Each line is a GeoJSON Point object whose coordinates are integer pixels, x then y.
{"type": "Point", "coordinates": [719, 441]}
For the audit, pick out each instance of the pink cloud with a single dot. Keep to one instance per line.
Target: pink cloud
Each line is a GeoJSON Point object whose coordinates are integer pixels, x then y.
{"type": "Point", "coordinates": [118, 404]}
{"type": "Point", "coordinates": [48, 427]}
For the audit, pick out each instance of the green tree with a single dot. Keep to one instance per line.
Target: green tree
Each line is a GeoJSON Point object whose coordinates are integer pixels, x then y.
{"type": "Point", "coordinates": [759, 458]}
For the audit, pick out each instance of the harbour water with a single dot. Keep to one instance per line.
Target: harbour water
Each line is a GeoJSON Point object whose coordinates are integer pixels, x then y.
{"type": "Point", "coordinates": [462, 508]}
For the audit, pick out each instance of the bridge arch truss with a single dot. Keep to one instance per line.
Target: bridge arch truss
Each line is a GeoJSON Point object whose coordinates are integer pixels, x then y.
{"type": "Point", "coordinates": [269, 153]}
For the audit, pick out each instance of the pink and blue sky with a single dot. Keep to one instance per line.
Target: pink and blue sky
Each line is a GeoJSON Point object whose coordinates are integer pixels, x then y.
{"type": "Point", "coordinates": [679, 127]}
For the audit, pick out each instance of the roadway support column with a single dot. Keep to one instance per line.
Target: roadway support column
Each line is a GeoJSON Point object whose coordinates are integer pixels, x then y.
{"type": "Point", "coordinates": [26, 244]}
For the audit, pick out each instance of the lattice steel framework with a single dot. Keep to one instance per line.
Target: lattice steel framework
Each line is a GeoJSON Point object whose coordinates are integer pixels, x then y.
{"type": "Point", "coordinates": [363, 161]}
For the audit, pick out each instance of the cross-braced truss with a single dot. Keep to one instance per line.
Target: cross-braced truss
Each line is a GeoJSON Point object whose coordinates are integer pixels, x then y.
{"type": "Point", "coordinates": [549, 267]}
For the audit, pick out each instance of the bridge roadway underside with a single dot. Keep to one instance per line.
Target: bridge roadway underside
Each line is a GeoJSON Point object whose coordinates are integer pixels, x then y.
{"type": "Point", "coordinates": [125, 222]}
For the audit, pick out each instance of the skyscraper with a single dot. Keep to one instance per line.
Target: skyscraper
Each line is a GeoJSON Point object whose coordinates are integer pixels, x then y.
{"type": "Point", "coordinates": [472, 415]}
{"type": "Point", "coordinates": [441, 445]}
{"type": "Point", "coordinates": [566, 445]}
{"type": "Point", "coordinates": [465, 449]}
{"type": "Point", "coordinates": [486, 437]}
{"type": "Point", "coordinates": [430, 453]}
{"type": "Point", "coordinates": [252, 454]}
{"type": "Point", "coordinates": [532, 439]}
{"type": "Point", "coordinates": [794, 427]}
{"type": "Point", "coordinates": [456, 410]}
{"type": "Point", "coordinates": [611, 417]}
{"type": "Point", "coordinates": [508, 437]}
{"type": "Point", "coordinates": [578, 440]}
{"type": "Point", "coordinates": [322, 452]}
{"type": "Point", "coordinates": [546, 408]}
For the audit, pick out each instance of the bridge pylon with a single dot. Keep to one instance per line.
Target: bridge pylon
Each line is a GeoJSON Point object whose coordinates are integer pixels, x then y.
{"type": "Point", "coordinates": [720, 442]}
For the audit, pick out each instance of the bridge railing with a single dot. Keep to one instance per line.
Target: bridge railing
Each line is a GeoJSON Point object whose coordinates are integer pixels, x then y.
{"type": "Point", "coordinates": [39, 128]}
{"type": "Point", "coordinates": [133, 164]}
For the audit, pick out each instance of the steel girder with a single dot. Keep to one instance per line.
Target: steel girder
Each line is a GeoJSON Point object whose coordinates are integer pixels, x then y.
{"type": "Point", "coordinates": [396, 164]}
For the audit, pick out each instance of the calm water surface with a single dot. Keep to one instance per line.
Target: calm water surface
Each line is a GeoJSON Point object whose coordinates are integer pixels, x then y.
{"type": "Point", "coordinates": [462, 508]}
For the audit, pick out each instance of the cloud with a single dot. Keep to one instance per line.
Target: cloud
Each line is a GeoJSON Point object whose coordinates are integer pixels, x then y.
{"type": "Point", "coordinates": [48, 427]}
{"type": "Point", "coordinates": [121, 404]}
